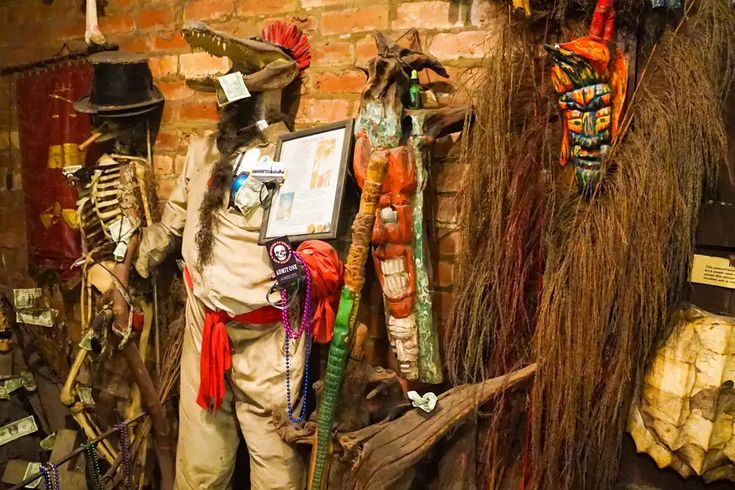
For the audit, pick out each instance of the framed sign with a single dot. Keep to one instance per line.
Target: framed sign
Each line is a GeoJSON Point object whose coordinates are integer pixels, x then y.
{"type": "Point", "coordinates": [307, 205]}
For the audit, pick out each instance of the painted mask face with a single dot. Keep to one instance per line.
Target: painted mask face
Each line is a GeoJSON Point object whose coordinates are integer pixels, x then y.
{"type": "Point", "coordinates": [591, 88]}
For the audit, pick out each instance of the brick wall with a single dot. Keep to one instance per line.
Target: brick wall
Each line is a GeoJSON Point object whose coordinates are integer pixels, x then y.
{"type": "Point", "coordinates": [341, 36]}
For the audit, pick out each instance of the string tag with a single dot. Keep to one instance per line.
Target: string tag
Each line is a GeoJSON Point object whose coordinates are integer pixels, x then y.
{"type": "Point", "coordinates": [233, 88]}
{"type": "Point", "coordinates": [283, 261]}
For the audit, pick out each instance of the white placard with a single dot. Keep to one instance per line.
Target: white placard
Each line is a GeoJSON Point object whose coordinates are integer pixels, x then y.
{"type": "Point", "coordinates": [305, 203]}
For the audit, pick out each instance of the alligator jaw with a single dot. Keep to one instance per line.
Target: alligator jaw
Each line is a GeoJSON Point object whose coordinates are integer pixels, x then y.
{"type": "Point", "coordinates": [249, 53]}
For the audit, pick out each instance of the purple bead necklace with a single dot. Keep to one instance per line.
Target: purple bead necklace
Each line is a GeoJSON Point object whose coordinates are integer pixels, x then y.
{"type": "Point", "coordinates": [124, 448]}
{"type": "Point", "coordinates": [304, 327]}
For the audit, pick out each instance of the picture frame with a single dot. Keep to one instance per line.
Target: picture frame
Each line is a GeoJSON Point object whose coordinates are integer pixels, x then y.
{"type": "Point", "coordinates": [307, 205]}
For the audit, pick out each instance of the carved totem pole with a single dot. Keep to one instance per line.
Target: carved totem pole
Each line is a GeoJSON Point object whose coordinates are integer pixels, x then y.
{"type": "Point", "coordinates": [392, 215]}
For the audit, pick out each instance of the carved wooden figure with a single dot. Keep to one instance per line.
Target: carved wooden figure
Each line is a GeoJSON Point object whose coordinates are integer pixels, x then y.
{"type": "Point", "coordinates": [398, 248]}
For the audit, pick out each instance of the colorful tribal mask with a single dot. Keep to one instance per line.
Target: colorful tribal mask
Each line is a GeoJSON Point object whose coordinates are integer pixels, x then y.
{"type": "Point", "coordinates": [591, 87]}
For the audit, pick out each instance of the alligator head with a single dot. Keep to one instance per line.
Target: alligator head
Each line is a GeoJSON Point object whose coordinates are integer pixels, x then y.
{"type": "Point", "coordinates": [264, 65]}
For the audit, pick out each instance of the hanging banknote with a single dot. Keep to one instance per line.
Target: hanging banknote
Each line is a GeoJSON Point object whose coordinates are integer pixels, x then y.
{"type": "Point", "coordinates": [17, 429]}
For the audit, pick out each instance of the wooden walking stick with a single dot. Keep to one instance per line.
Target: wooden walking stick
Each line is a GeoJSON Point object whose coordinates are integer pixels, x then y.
{"type": "Point", "coordinates": [362, 229]}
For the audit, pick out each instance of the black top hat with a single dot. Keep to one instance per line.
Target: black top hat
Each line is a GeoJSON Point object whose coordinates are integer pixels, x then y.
{"type": "Point", "coordinates": [122, 86]}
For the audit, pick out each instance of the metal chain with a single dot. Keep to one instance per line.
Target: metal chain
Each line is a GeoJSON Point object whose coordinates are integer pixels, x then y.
{"type": "Point", "coordinates": [93, 464]}
{"type": "Point", "coordinates": [124, 448]}
{"type": "Point", "coordinates": [51, 477]}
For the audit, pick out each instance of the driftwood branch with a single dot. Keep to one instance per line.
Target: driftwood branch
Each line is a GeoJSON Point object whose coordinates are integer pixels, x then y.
{"type": "Point", "coordinates": [383, 452]}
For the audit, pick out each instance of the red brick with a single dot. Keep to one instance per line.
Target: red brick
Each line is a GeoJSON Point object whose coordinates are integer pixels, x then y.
{"type": "Point", "coordinates": [467, 44]}
{"type": "Point", "coordinates": [483, 14]}
{"type": "Point", "coordinates": [168, 41]}
{"type": "Point", "coordinates": [179, 162]}
{"type": "Point", "coordinates": [342, 82]}
{"type": "Point", "coordinates": [71, 29]}
{"type": "Point", "coordinates": [430, 15]}
{"type": "Point", "coordinates": [177, 90]}
{"type": "Point", "coordinates": [304, 22]}
{"type": "Point", "coordinates": [200, 63]}
{"type": "Point", "coordinates": [257, 7]}
{"type": "Point", "coordinates": [163, 164]}
{"type": "Point", "coordinates": [365, 49]}
{"type": "Point", "coordinates": [162, 66]}
{"type": "Point", "coordinates": [112, 24]}
{"type": "Point", "coordinates": [199, 110]}
{"type": "Point", "coordinates": [135, 44]}
{"type": "Point", "coordinates": [120, 4]}
{"type": "Point", "coordinates": [208, 9]}
{"type": "Point", "coordinates": [446, 212]}
{"type": "Point", "coordinates": [332, 53]}
{"type": "Point", "coordinates": [449, 178]}
{"type": "Point", "coordinates": [155, 17]}
{"type": "Point", "coordinates": [307, 4]}
{"type": "Point", "coordinates": [323, 110]}
{"type": "Point", "coordinates": [164, 186]}
{"type": "Point", "coordinates": [449, 243]}
{"type": "Point", "coordinates": [170, 113]}
{"type": "Point", "coordinates": [355, 20]}
{"type": "Point", "coordinates": [444, 274]}
{"type": "Point", "coordinates": [442, 303]}
{"type": "Point", "coordinates": [168, 140]}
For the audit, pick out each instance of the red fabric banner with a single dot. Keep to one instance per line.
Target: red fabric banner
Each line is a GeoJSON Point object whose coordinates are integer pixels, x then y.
{"type": "Point", "coordinates": [49, 131]}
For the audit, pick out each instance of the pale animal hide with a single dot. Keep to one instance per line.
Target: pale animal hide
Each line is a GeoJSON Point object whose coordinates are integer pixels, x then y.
{"type": "Point", "coordinates": [685, 416]}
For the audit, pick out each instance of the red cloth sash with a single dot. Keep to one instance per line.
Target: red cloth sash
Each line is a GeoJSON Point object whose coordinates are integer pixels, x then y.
{"type": "Point", "coordinates": [215, 358]}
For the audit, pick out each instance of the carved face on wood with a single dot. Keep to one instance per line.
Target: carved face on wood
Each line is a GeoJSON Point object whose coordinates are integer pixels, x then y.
{"type": "Point", "coordinates": [591, 90]}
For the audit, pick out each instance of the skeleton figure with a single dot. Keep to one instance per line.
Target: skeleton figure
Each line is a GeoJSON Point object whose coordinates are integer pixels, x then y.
{"type": "Point", "coordinates": [592, 87]}
{"type": "Point", "coordinates": [111, 202]}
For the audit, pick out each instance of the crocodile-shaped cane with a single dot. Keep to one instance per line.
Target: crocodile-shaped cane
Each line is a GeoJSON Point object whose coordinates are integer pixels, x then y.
{"type": "Point", "coordinates": [362, 229]}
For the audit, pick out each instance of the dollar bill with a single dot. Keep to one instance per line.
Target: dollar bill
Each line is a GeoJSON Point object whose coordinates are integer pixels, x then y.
{"type": "Point", "coordinates": [85, 395]}
{"type": "Point", "coordinates": [17, 429]}
{"type": "Point", "coordinates": [27, 299]}
{"type": "Point", "coordinates": [31, 307]}
{"type": "Point", "coordinates": [8, 386]}
{"type": "Point", "coordinates": [33, 469]}
{"type": "Point", "coordinates": [44, 318]}
{"type": "Point", "coordinates": [48, 442]}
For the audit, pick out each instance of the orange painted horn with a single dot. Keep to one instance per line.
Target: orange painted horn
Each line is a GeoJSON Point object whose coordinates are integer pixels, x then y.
{"type": "Point", "coordinates": [603, 20]}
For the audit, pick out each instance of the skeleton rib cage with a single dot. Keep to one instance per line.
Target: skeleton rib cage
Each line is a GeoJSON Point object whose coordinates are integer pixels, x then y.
{"type": "Point", "coordinates": [111, 197]}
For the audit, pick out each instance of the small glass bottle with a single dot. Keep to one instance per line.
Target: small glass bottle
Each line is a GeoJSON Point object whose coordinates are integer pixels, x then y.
{"type": "Point", "coordinates": [414, 91]}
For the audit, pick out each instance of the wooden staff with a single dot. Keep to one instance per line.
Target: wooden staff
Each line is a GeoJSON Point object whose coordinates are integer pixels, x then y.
{"type": "Point", "coordinates": [362, 230]}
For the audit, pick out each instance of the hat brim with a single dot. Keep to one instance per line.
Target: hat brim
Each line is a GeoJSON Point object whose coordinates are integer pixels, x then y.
{"type": "Point", "coordinates": [85, 106]}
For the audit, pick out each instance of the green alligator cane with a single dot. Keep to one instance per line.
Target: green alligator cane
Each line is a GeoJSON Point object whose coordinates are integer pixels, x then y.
{"type": "Point", "coordinates": [362, 229]}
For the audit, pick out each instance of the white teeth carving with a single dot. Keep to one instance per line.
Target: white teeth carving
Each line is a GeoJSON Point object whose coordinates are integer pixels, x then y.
{"type": "Point", "coordinates": [403, 337]}
{"type": "Point", "coordinates": [395, 277]}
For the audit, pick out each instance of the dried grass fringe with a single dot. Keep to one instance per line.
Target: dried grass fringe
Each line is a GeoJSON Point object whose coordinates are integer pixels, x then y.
{"type": "Point", "coordinates": [614, 265]}
{"type": "Point", "coordinates": [507, 160]}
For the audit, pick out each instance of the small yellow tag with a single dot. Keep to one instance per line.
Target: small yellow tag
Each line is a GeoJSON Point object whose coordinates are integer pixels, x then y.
{"type": "Point", "coordinates": [714, 271]}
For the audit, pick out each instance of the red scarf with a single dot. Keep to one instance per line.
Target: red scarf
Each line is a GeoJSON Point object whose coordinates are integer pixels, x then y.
{"type": "Point", "coordinates": [327, 273]}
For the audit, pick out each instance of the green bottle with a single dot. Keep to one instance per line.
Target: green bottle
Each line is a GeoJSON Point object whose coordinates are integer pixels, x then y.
{"type": "Point", "coordinates": [414, 91]}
